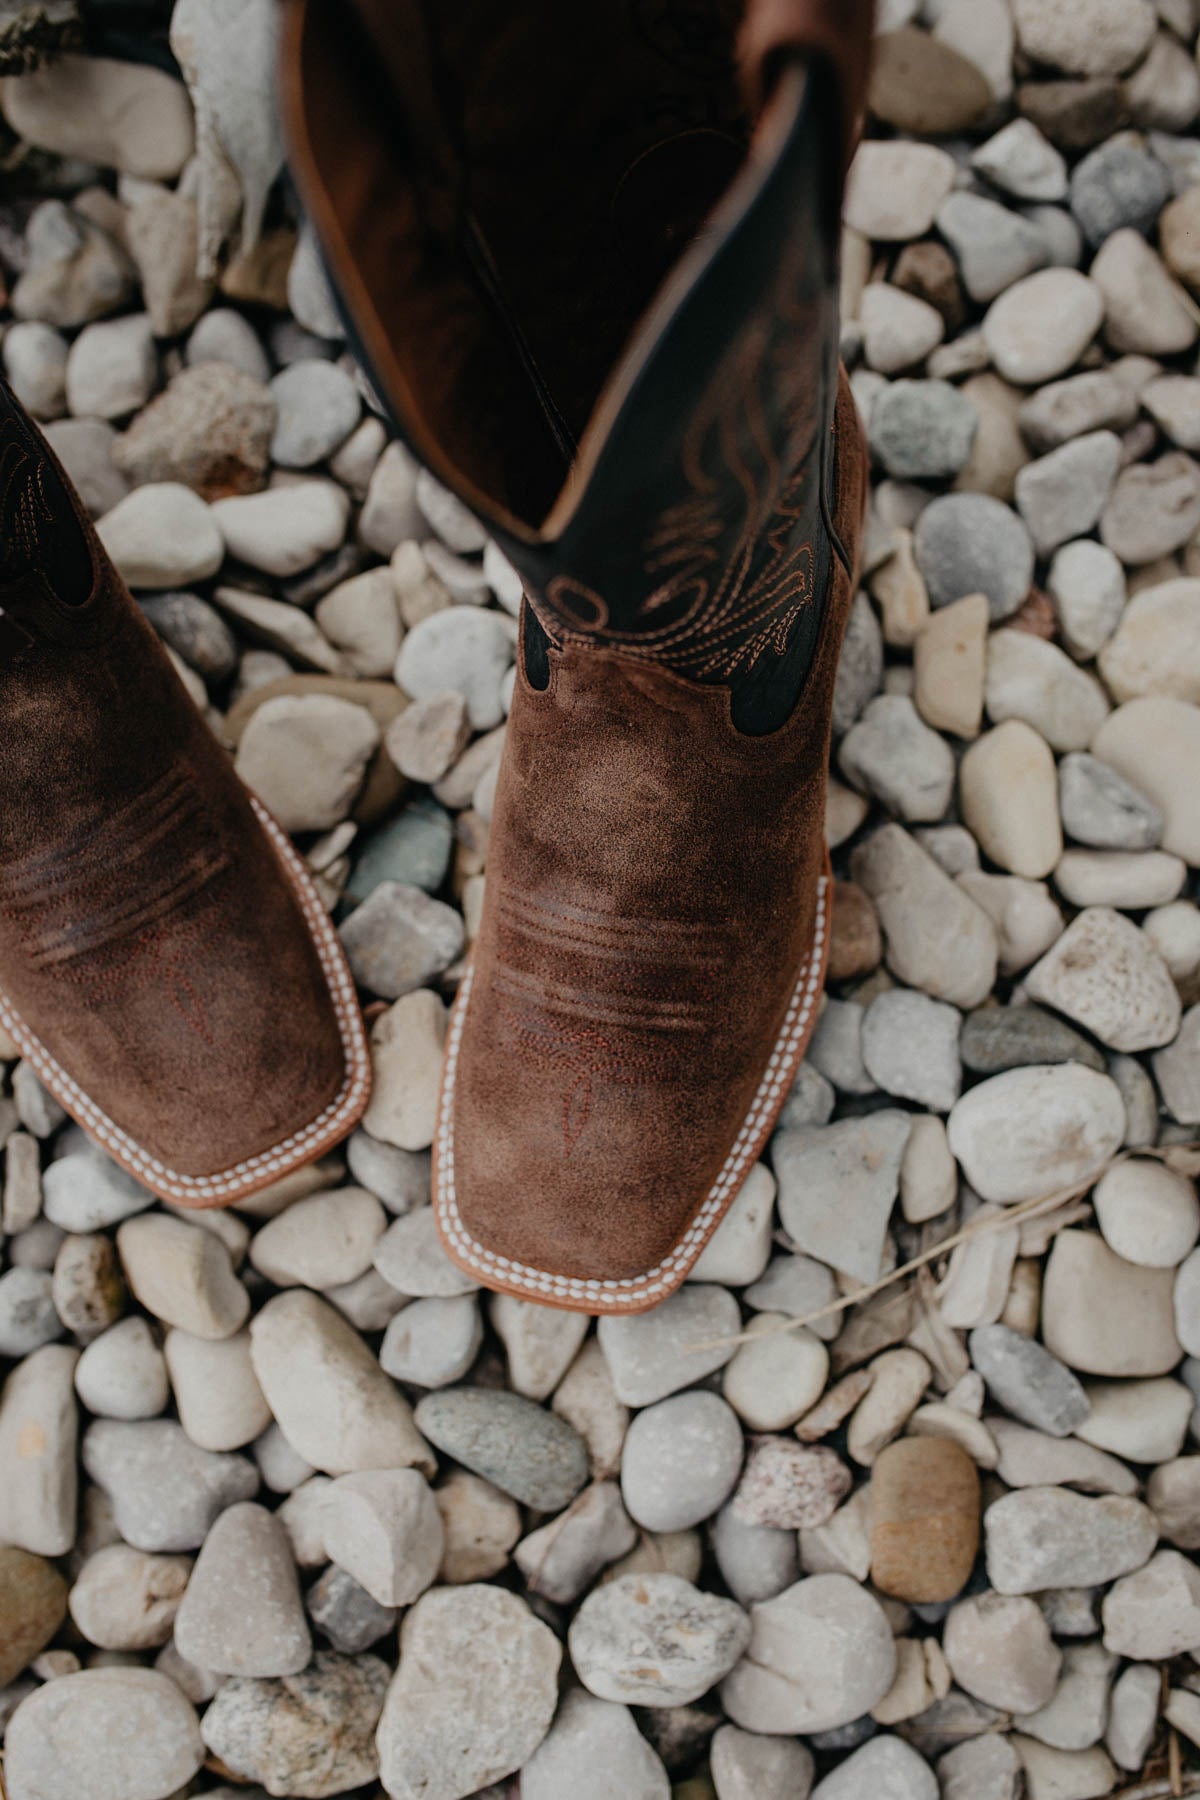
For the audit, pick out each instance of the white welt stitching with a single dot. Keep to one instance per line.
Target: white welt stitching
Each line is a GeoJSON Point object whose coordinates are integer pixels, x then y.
{"type": "Point", "coordinates": [666, 1274]}
{"type": "Point", "coordinates": [283, 1155]}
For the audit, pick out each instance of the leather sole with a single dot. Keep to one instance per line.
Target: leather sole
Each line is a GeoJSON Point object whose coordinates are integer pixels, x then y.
{"type": "Point", "coordinates": [227, 1186]}
{"type": "Point", "coordinates": [639, 1292]}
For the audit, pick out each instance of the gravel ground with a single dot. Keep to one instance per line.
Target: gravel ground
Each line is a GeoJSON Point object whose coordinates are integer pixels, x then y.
{"type": "Point", "coordinates": [287, 1507]}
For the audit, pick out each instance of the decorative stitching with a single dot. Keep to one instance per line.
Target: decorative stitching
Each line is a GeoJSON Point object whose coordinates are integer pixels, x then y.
{"type": "Point", "coordinates": [301, 1146]}
{"type": "Point", "coordinates": [629, 1293]}
{"type": "Point", "coordinates": [725, 571]}
{"type": "Point", "coordinates": [25, 510]}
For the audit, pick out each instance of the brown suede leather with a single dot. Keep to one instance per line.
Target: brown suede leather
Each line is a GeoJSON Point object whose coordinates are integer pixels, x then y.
{"type": "Point", "coordinates": [651, 905]}
{"type": "Point", "coordinates": [164, 961]}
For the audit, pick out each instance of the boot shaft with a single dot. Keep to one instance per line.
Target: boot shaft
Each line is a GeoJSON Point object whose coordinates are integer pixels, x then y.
{"type": "Point", "coordinates": [596, 287]}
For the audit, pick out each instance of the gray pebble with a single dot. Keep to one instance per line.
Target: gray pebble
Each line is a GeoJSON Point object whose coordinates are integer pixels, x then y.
{"type": "Point", "coordinates": [36, 1246]}
{"type": "Point", "coordinates": [810, 1102]}
{"type": "Point", "coordinates": [400, 1178]}
{"type": "Point", "coordinates": [1141, 1100]}
{"type": "Point", "coordinates": [110, 1733]}
{"type": "Point", "coordinates": [974, 544]}
{"type": "Point", "coordinates": [242, 1614]}
{"type": "Point", "coordinates": [748, 1766]}
{"type": "Point", "coordinates": [35, 361]}
{"type": "Point", "coordinates": [995, 1038]}
{"type": "Point", "coordinates": [1087, 585]}
{"type": "Point", "coordinates": [1177, 1071]}
{"type": "Point", "coordinates": [399, 938]}
{"type": "Point", "coordinates": [410, 1256]}
{"type": "Point", "coordinates": [910, 1048]}
{"type": "Point", "coordinates": [1059, 233]}
{"type": "Point", "coordinates": [1092, 401]}
{"type": "Point", "coordinates": [994, 246]}
{"type": "Point", "coordinates": [414, 848]}
{"type": "Point", "coordinates": [837, 1186]}
{"type": "Point", "coordinates": [1022, 162]}
{"type": "Point", "coordinates": [225, 336]}
{"type": "Point", "coordinates": [112, 368]}
{"type": "Point", "coordinates": [886, 1767]}
{"type": "Point", "coordinates": [433, 1341]}
{"type": "Point", "coordinates": [1154, 508]}
{"type": "Point", "coordinates": [73, 270]}
{"type": "Point", "coordinates": [1101, 808]}
{"type": "Point", "coordinates": [512, 1442]}
{"type": "Point", "coordinates": [681, 1461]}
{"type": "Point", "coordinates": [27, 1314]}
{"type": "Point", "coordinates": [860, 666]}
{"type": "Point", "coordinates": [318, 407]}
{"type": "Point", "coordinates": [283, 1469]}
{"type": "Point", "coordinates": [196, 631]}
{"type": "Point", "coordinates": [797, 1286]}
{"type": "Point", "coordinates": [592, 1750]}
{"type": "Point", "coordinates": [345, 1614]}
{"type": "Point", "coordinates": [38, 1110]}
{"type": "Point", "coordinates": [756, 1561]}
{"type": "Point", "coordinates": [563, 1558]}
{"type": "Point", "coordinates": [85, 1191]}
{"type": "Point", "coordinates": [122, 1374]}
{"type": "Point", "coordinates": [983, 1768]}
{"type": "Point", "coordinates": [1118, 184]}
{"type": "Point", "coordinates": [1062, 494]}
{"type": "Point", "coordinates": [85, 449]}
{"type": "Point", "coordinates": [1027, 1381]}
{"type": "Point", "coordinates": [165, 1492]}
{"type": "Point", "coordinates": [922, 430]}
{"type": "Point", "coordinates": [835, 1049]}
{"type": "Point", "coordinates": [653, 1354]}
{"type": "Point", "coordinates": [893, 755]}
{"type": "Point", "coordinates": [465, 649]}
{"type": "Point", "coordinates": [39, 1424]}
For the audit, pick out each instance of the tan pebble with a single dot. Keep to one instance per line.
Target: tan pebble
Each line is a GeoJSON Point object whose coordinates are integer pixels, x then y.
{"type": "Point", "coordinates": [899, 587]}
{"type": "Point", "coordinates": [924, 1520]}
{"type": "Point", "coordinates": [834, 1406]}
{"type": "Point", "coordinates": [855, 941]}
{"type": "Point", "coordinates": [948, 664]}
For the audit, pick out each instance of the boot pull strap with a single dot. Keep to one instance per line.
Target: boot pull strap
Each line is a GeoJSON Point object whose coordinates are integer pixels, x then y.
{"type": "Point", "coordinates": [835, 32]}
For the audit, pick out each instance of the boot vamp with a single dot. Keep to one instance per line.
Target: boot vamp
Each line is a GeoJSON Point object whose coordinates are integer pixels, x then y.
{"type": "Point", "coordinates": [650, 909]}
{"type": "Point", "coordinates": [148, 936]}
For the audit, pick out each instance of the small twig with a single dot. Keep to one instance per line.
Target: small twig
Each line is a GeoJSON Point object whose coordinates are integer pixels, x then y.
{"type": "Point", "coordinates": [999, 1221]}
{"type": "Point", "coordinates": [1174, 1763]}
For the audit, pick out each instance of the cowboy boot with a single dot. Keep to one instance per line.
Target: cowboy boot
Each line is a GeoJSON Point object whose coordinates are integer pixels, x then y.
{"type": "Point", "coordinates": [593, 276]}
{"type": "Point", "coordinates": [166, 965]}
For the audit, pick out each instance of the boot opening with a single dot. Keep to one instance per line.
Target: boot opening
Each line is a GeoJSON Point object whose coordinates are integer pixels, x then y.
{"type": "Point", "coordinates": [515, 184]}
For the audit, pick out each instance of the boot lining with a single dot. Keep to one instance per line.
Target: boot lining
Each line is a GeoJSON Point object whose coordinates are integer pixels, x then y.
{"type": "Point", "coordinates": [516, 183]}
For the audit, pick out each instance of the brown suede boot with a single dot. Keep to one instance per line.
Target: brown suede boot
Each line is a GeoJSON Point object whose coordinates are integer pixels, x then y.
{"type": "Point", "coordinates": [589, 257]}
{"type": "Point", "coordinates": [165, 964]}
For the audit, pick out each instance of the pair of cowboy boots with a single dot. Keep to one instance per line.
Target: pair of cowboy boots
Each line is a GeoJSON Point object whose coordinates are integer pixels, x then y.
{"type": "Point", "coordinates": [588, 258]}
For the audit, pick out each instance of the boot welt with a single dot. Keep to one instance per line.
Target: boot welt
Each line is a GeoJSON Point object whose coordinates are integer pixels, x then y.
{"type": "Point", "coordinates": [634, 1293]}
{"type": "Point", "coordinates": [224, 1187]}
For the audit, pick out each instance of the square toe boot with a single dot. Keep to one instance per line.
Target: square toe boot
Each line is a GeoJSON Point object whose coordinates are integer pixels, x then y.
{"type": "Point", "coordinates": [590, 263]}
{"type": "Point", "coordinates": [166, 966]}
